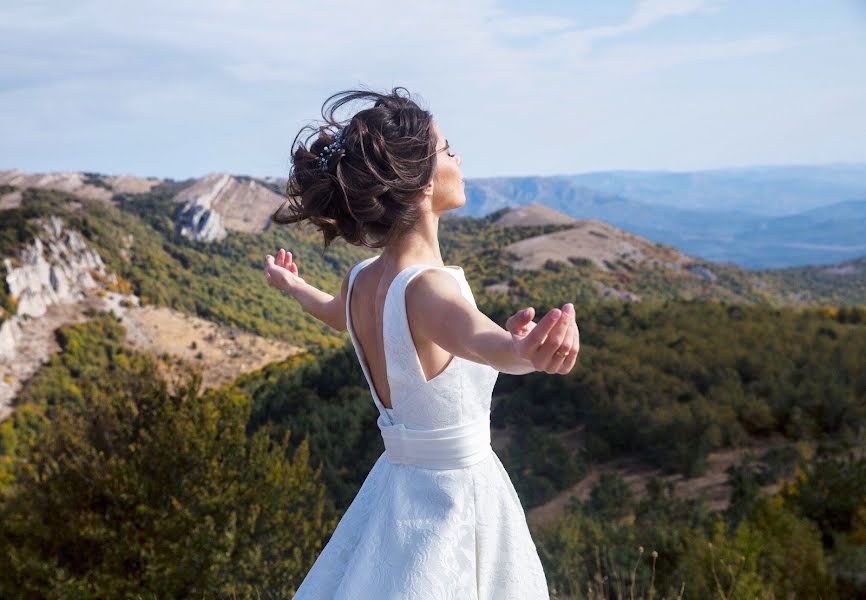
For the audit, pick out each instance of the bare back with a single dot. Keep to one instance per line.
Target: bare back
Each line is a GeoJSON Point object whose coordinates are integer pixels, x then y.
{"type": "Point", "coordinates": [366, 308]}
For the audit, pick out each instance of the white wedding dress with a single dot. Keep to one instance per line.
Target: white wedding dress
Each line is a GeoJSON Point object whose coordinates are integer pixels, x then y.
{"type": "Point", "coordinates": [437, 517]}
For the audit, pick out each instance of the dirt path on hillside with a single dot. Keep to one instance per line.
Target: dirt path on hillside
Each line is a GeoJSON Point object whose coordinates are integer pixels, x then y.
{"type": "Point", "coordinates": [713, 484]}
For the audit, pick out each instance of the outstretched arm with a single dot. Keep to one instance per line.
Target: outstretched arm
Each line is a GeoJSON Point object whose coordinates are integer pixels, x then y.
{"type": "Point", "coordinates": [438, 311]}
{"type": "Point", "coordinates": [282, 274]}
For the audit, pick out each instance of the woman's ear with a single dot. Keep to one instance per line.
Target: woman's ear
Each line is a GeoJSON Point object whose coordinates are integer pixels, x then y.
{"type": "Point", "coordinates": [425, 198]}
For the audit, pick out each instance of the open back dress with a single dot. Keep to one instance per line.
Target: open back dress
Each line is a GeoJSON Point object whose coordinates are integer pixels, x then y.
{"type": "Point", "coordinates": [437, 517]}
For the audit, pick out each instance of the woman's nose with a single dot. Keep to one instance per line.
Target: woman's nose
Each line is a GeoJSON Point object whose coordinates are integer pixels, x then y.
{"type": "Point", "coordinates": [459, 160]}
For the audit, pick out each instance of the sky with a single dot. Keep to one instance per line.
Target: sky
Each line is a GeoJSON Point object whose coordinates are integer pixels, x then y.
{"type": "Point", "coordinates": [173, 88]}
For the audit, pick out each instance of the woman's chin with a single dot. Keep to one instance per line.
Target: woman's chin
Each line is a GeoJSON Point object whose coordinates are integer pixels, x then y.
{"type": "Point", "coordinates": [456, 201]}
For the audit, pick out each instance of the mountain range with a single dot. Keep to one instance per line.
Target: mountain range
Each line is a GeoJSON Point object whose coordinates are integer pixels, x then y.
{"type": "Point", "coordinates": [755, 218]}
{"type": "Point", "coordinates": [772, 217]}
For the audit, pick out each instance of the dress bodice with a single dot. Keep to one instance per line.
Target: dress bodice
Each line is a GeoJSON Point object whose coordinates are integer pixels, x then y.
{"type": "Point", "coordinates": [458, 395]}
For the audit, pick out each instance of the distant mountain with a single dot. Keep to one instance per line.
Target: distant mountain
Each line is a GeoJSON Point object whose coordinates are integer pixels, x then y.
{"type": "Point", "coordinates": [533, 214]}
{"type": "Point", "coordinates": [487, 195]}
{"type": "Point", "coordinates": [484, 196]}
{"type": "Point", "coordinates": [841, 283]}
{"type": "Point", "coordinates": [820, 236]}
{"type": "Point", "coordinates": [86, 185]}
{"type": "Point", "coordinates": [701, 213]}
{"type": "Point", "coordinates": [767, 191]}
{"type": "Point", "coordinates": [828, 234]}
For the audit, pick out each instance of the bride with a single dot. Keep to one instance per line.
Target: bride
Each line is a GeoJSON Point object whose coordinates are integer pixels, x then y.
{"type": "Point", "coordinates": [437, 516]}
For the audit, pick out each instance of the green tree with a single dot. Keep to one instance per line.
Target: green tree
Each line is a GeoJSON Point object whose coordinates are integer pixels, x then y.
{"type": "Point", "coordinates": [772, 554]}
{"type": "Point", "coordinates": [145, 492]}
{"type": "Point", "coordinates": [611, 498]}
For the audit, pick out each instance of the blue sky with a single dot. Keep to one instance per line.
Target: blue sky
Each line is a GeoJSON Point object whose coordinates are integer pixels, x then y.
{"type": "Point", "coordinates": [178, 89]}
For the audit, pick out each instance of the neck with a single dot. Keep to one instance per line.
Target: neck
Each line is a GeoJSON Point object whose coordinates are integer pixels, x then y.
{"type": "Point", "coordinates": [419, 245]}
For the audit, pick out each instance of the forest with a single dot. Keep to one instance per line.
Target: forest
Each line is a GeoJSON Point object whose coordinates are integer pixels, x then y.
{"type": "Point", "coordinates": [115, 482]}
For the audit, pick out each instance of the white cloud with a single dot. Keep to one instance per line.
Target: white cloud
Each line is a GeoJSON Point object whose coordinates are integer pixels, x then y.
{"type": "Point", "coordinates": [627, 59]}
{"type": "Point", "coordinates": [648, 13]}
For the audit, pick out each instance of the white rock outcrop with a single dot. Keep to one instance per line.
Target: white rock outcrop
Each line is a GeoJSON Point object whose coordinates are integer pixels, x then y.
{"type": "Point", "coordinates": [10, 336]}
{"type": "Point", "coordinates": [57, 267]}
{"type": "Point", "coordinates": [218, 202]}
{"type": "Point", "coordinates": [54, 280]}
{"type": "Point", "coordinates": [201, 222]}
{"type": "Point", "coordinates": [198, 218]}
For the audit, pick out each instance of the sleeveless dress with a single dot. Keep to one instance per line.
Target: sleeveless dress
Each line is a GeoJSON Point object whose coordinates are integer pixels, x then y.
{"type": "Point", "coordinates": [437, 517]}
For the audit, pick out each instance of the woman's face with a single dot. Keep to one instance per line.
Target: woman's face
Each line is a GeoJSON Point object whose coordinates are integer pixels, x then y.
{"type": "Point", "coordinates": [448, 192]}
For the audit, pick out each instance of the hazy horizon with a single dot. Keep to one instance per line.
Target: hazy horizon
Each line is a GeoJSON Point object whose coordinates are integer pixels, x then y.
{"type": "Point", "coordinates": [861, 165]}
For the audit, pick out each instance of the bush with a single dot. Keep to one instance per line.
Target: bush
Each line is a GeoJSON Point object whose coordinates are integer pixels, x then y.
{"type": "Point", "coordinates": [133, 491]}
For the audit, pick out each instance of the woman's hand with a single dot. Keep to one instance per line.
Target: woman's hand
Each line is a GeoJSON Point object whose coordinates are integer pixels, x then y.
{"type": "Point", "coordinates": [552, 344]}
{"type": "Point", "coordinates": [281, 272]}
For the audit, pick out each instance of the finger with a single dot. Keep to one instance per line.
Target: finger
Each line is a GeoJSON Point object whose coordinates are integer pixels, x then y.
{"type": "Point", "coordinates": [556, 360]}
{"type": "Point", "coordinates": [290, 265]}
{"type": "Point", "coordinates": [542, 329]}
{"type": "Point", "coordinates": [554, 340]}
{"type": "Point", "coordinates": [519, 319]}
{"type": "Point", "coordinates": [570, 360]}
{"type": "Point", "coordinates": [570, 340]}
{"type": "Point", "coordinates": [269, 261]}
{"type": "Point", "coordinates": [281, 258]}
{"type": "Point", "coordinates": [566, 351]}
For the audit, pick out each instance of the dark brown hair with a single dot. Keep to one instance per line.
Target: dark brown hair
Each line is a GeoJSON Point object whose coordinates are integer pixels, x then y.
{"type": "Point", "coordinates": [367, 192]}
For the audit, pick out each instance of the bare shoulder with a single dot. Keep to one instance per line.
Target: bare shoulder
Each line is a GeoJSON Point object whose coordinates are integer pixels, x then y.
{"type": "Point", "coordinates": [432, 287]}
{"type": "Point", "coordinates": [432, 298]}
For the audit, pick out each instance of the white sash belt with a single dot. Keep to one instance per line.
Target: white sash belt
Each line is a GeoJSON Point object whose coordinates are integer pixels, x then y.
{"type": "Point", "coordinates": [447, 448]}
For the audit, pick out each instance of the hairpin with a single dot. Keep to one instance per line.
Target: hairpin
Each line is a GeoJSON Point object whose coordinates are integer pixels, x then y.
{"type": "Point", "coordinates": [330, 149]}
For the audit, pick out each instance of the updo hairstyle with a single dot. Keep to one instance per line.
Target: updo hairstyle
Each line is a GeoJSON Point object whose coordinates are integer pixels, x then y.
{"type": "Point", "coordinates": [366, 191]}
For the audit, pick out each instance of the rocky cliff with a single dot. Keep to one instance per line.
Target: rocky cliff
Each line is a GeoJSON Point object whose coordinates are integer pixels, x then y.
{"type": "Point", "coordinates": [48, 279]}
{"type": "Point", "coordinates": [219, 202]}
{"type": "Point", "coordinates": [56, 267]}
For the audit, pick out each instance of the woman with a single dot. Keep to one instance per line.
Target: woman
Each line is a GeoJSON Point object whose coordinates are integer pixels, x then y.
{"type": "Point", "coordinates": [437, 517]}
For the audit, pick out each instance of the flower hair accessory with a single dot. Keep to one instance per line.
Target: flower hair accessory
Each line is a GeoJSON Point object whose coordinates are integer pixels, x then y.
{"type": "Point", "coordinates": [330, 149]}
